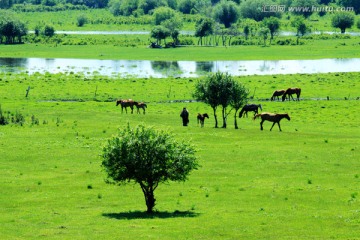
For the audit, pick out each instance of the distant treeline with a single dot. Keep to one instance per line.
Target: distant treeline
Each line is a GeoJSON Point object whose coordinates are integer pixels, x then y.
{"type": "Point", "coordinates": [141, 7]}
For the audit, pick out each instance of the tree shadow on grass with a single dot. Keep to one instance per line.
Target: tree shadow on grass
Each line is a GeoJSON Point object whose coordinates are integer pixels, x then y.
{"type": "Point", "coordinates": [145, 215]}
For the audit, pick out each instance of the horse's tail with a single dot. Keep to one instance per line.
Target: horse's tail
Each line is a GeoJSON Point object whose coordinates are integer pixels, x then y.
{"type": "Point", "coordinates": [260, 107]}
{"type": "Point", "coordinates": [241, 112]}
{"type": "Point", "coordinates": [256, 116]}
{"type": "Point", "coordinates": [198, 118]}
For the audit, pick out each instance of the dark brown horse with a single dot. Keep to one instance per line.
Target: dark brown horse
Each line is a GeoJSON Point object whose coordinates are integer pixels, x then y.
{"type": "Point", "coordinates": [250, 108]}
{"type": "Point", "coordinates": [125, 103]}
{"type": "Point", "coordinates": [141, 105]}
{"type": "Point", "coordinates": [290, 91]}
{"type": "Point", "coordinates": [271, 117]}
{"type": "Point", "coordinates": [277, 93]}
{"type": "Point", "coordinates": [201, 118]}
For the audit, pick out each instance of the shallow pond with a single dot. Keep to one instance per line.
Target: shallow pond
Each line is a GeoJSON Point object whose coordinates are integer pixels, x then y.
{"type": "Point", "coordinates": [161, 69]}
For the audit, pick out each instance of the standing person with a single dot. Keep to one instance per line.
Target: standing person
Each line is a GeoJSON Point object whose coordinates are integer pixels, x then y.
{"type": "Point", "coordinates": [185, 116]}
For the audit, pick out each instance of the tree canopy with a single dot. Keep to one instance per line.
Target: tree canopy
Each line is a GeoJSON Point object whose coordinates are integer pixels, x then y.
{"type": "Point", "coordinates": [220, 89]}
{"type": "Point", "coordinates": [343, 20]}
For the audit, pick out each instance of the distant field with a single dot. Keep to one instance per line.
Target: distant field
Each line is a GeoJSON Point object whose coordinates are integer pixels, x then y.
{"type": "Point", "coordinates": [313, 49]}
{"type": "Point", "coordinates": [299, 183]}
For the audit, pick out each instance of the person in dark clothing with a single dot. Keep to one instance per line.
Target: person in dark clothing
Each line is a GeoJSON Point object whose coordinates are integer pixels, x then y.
{"type": "Point", "coordinates": [185, 116]}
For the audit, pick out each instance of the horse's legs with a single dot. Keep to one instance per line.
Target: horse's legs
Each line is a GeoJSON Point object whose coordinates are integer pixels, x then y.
{"type": "Point", "coordinates": [272, 126]}
{"type": "Point", "coordinates": [132, 109]}
{"type": "Point", "coordinates": [261, 125]}
{"type": "Point", "coordinates": [279, 126]}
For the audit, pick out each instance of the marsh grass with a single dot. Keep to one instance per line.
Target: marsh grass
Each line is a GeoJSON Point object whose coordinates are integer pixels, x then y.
{"type": "Point", "coordinates": [252, 184]}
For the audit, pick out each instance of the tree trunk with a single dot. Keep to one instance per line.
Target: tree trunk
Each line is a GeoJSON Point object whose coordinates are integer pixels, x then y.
{"type": "Point", "coordinates": [149, 197]}
{"type": "Point", "coordinates": [235, 119]}
{"type": "Point", "coordinates": [150, 201]}
{"type": "Point", "coordinates": [215, 117]}
{"type": "Point", "coordinates": [224, 117]}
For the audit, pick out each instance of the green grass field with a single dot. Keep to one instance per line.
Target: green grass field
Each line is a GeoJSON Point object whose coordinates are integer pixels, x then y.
{"type": "Point", "coordinates": [313, 49]}
{"type": "Point", "coordinates": [301, 183]}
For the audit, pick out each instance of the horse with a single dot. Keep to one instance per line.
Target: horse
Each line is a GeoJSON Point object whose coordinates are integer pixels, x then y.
{"type": "Point", "coordinates": [141, 105]}
{"type": "Point", "coordinates": [290, 92]}
{"type": "Point", "coordinates": [271, 117]}
{"type": "Point", "coordinates": [125, 103]}
{"type": "Point", "coordinates": [201, 118]}
{"type": "Point", "coordinates": [250, 108]}
{"type": "Point", "coordinates": [277, 93]}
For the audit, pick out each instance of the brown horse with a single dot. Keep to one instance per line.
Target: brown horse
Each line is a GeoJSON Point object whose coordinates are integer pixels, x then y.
{"type": "Point", "coordinates": [201, 118]}
{"type": "Point", "coordinates": [277, 93]}
{"type": "Point", "coordinates": [290, 91]}
{"type": "Point", "coordinates": [141, 105]}
{"type": "Point", "coordinates": [271, 117]}
{"type": "Point", "coordinates": [125, 103]}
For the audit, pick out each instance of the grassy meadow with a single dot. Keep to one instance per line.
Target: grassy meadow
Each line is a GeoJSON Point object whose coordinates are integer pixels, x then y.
{"type": "Point", "coordinates": [301, 183]}
{"type": "Point", "coordinates": [313, 49]}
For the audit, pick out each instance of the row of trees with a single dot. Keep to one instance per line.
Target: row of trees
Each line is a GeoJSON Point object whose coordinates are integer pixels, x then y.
{"type": "Point", "coordinates": [11, 29]}
{"type": "Point", "coordinates": [266, 29]}
{"type": "Point", "coordinates": [255, 9]}
{"type": "Point", "coordinates": [221, 90]}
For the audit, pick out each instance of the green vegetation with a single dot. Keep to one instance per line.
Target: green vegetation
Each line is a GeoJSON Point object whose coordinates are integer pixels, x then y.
{"type": "Point", "coordinates": [252, 184]}
{"type": "Point", "coordinates": [343, 20]}
{"type": "Point", "coordinates": [317, 47]}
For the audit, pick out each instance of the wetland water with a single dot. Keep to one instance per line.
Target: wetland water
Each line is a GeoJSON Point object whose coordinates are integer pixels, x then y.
{"type": "Point", "coordinates": [161, 69]}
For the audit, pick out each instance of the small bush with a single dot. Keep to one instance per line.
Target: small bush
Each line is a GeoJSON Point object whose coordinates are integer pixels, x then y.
{"type": "Point", "coordinates": [18, 118]}
{"type": "Point", "coordinates": [81, 20]}
{"type": "Point", "coordinates": [49, 31]}
{"type": "Point", "coordinates": [3, 119]}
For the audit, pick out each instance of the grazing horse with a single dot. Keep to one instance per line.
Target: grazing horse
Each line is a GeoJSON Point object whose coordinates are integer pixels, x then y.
{"type": "Point", "coordinates": [126, 103]}
{"type": "Point", "coordinates": [201, 118]}
{"type": "Point", "coordinates": [277, 93]}
{"type": "Point", "coordinates": [141, 105]}
{"type": "Point", "coordinates": [290, 91]}
{"type": "Point", "coordinates": [271, 117]}
{"type": "Point", "coordinates": [250, 108]}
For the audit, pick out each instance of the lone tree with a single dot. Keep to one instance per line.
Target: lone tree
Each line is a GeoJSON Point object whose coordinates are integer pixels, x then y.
{"type": "Point", "coordinates": [204, 27]}
{"type": "Point", "coordinates": [147, 157]}
{"type": "Point", "coordinates": [239, 97]}
{"type": "Point", "coordinates": [301, 27]}
{"type": "Point", "coordinates": [343, 20]}
{"type": "Point", "coordinates": [273, 24]}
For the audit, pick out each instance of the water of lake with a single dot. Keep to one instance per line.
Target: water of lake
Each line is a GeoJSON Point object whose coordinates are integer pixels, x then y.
{"type": "Point", "coordinates": [183, 69]}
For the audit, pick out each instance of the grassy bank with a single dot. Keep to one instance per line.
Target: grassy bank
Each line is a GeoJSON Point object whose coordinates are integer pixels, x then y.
{"type": "Point", "coordinates": [313, 49]}
{"type": "Point", "coordinates": [299, 183]}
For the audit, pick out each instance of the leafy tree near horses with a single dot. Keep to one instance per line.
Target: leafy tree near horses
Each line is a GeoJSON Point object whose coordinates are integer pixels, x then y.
{"type": "Point", "coordinates": [220, 89]}
{"type": "Point", "coordinates": [147, 157]}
